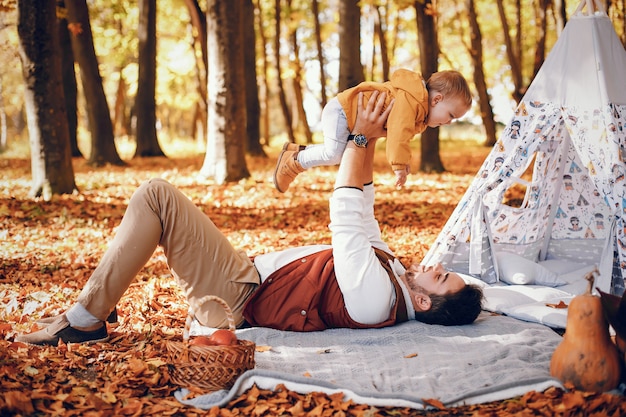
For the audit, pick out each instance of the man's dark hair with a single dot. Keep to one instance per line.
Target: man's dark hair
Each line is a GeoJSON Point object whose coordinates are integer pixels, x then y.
{"type": "Point", "coordinates": [454, 309]}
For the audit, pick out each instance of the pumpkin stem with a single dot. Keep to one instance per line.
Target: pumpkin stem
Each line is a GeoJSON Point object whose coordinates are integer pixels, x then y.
{"type": "Point", "coordinates": [590, 277]}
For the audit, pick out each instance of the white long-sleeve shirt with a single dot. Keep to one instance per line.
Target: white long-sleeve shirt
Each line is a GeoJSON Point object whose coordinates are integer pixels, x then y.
{"type": "Point", "coordinates": [368, 292]}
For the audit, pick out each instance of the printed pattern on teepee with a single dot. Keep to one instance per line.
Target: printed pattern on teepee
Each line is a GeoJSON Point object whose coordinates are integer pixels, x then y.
{"type": "Point", "coordinates": [568, 135]}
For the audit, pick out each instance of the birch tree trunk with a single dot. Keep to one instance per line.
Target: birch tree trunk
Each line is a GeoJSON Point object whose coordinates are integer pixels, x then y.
{"type": "Point", "coordinates": [225, 157]}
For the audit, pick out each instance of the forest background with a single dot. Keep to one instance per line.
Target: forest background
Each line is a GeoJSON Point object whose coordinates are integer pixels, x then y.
{"type": "Point", "coordinates": [139, 89]}
{"type": "Point", "coordinates": [229, 79]}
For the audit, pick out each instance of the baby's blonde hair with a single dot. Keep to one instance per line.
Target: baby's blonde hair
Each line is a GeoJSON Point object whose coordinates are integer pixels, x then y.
{"type": "Point", "coordinates": [450, 83]}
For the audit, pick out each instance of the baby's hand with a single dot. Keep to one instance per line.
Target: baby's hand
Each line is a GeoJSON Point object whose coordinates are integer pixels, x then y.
{"type": "Point", "coordinates": [401, 176]}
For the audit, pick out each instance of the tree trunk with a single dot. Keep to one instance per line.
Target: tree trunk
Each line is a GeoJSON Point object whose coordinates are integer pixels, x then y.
{"type": "Point", "coordinates": [198, 21]}
{"type": "Point", "coordinates": [623, 15]}
{"type": "Point", "coordinates": [281, 88]}
{"type": "Point", "coordinates": [514, 59]}
{"type": "Point", "coordinates": [145, 103]}
{"type": "Point", "coordinates": [102, 140]}
{"type": "Point", "coordinates": [320, 53]}
{"type": "Point", "coordinates": [4, 132]}
{"type": "Point", "coordinates": [394, 34]}
{"type": "Point", "coordinates": [519, 56]}
{"type": "Point", "coordinates": [69, 77]}
{"type": "Point", "coordinates": [560, 15]}
{"type": "Point", "coordinates": [120, 119]}
{"type": "Point", "coordinates": [299, 105]}
{"type": "Point", "coordinates": [476, 52]}
{"type": "Point", "coordinates": [253, 108]}
{"type": "Point", "coordinates": [225, 159]}
{"type": "Point", "coordinates": [372, 63]}
{"type": "Point", "coordinates": [51, 159]}
{"type": "Point", "coordinates": [380, 30]}
{"type": "Point", "coordinates": [350, 67]}
{"type": "Point", "coordinates": [296, 66]}
{"type": "Point", "coordinates": [540, 51]}
{"type": "Point", "coordinates": [429, 55]}
{"type": "Point", "coordinates": [265, 88]}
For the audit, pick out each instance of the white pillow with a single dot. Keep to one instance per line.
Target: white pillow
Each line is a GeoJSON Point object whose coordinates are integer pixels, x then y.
{"type": "Point", "coordinates": [515, 269]}
{"type": "Point", "coordinates": [561, 266]}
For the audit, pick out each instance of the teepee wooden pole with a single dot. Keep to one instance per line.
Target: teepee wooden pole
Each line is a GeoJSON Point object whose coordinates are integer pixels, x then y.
{"type": "Point", "coordinates": [592, 7]}
{"type": "Point", "coordinates": [599, 6]}
{"type": "Point", "coordinates": [579, 9]}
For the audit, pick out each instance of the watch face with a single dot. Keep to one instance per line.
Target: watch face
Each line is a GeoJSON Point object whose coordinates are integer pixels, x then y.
{"type": "Point", "coordinates": [360, 140]}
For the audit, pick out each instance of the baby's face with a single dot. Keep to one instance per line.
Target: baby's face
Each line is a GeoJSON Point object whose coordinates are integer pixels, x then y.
{"type": "Point", "coordinates": [445, 111]}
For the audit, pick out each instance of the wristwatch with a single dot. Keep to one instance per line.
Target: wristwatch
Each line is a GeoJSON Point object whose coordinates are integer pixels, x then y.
{"type": "Point", "coordinates": [359, 140]}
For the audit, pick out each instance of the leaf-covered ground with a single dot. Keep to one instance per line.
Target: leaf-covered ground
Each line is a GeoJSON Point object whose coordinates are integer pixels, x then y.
{"type": "Point", "coordinates": [49, 250]}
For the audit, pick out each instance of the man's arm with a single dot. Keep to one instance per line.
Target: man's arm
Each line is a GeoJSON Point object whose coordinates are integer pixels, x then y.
{"type": "Point", "coordinates": [359, 273]}
{"type": "Point", "coordinates": [372, 118]}
{"type": "Point", "coordinates": [357, 164]}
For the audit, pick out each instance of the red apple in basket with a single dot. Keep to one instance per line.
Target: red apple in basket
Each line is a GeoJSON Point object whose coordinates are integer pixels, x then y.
{"type": "Point", "coordinates": [223, 337]}
{"type": "Point", "coordinates": [201, 341]}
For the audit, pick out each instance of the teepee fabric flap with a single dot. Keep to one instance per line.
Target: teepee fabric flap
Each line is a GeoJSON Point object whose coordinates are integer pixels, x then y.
{"type": "Point", "coordinates": [566, 144]}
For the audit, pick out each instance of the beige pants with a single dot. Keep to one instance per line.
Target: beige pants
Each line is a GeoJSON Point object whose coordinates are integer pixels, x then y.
{"type": "Point", "coordinates": [198, 254]}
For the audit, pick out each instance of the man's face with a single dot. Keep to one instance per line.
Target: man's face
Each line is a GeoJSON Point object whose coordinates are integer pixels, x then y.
{"type": "Point", "coordinates": [444, 111]}
{"type": "Point", "coordinates": [435, 279]}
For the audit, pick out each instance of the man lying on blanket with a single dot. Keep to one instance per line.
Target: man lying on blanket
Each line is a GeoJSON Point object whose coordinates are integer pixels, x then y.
{"type": "Point", "coordinates": [355, 283]}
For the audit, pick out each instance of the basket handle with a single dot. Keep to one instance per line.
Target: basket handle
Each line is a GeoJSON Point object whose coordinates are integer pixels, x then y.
{"type": "Point", "coordinates": [191, 316]}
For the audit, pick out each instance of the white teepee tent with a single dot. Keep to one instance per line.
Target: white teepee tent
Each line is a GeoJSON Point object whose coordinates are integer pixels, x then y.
{"type": "Point", "coordinates": [569, 130]}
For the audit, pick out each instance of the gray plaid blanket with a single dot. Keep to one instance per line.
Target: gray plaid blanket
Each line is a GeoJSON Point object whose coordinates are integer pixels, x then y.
{"type": "Point", "coordinates": [495, 358]}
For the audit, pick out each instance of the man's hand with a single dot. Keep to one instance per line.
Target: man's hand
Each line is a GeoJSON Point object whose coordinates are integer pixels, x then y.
{"type": "Point", "coordinates": [357, 164]}
{"type": "Point", "coordinates": [371, 119]}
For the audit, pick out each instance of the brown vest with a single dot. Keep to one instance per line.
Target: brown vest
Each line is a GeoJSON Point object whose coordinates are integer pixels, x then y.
{"type": "Point", "coordinates": [304, 296]}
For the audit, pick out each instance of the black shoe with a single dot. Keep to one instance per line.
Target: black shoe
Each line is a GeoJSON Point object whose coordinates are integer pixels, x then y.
{"type": "Point", "coordinates": [60, 329]}
{"type": "Point", "coordinates": [111, 319]}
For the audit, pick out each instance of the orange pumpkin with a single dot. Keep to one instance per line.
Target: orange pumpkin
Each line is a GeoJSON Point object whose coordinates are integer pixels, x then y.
{"type": "Point", "coordinates": [587, 357]}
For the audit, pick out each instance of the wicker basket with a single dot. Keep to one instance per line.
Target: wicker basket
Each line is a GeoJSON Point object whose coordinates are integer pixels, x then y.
{"type": "Point", "coordinates": [208, 368]}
